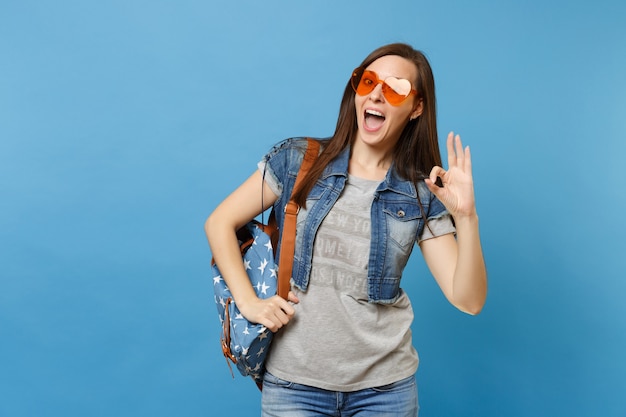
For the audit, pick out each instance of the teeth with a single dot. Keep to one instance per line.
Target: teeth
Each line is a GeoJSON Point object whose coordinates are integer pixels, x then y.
{"type": "Point", "coordinates": [374, 113]}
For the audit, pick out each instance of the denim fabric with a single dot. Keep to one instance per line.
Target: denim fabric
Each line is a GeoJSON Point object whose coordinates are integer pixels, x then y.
{"type": "Point", "coordinates": [397, 220]}
{"type": "Point", "coordinates": [282, 398]}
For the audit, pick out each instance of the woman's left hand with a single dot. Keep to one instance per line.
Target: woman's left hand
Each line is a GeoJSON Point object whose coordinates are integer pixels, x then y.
{"type": "Point", "coordinates": [457, 193]}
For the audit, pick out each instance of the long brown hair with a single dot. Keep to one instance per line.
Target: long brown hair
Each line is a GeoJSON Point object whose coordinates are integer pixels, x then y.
{"type": "Point", "coordinates": [417, 150]}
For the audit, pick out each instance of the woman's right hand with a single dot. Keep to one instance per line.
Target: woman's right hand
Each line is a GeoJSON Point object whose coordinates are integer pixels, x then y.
{"type": "Point", "coordinates": [273, 312]}
{"type": "Point", "coordinates": [241, 206]}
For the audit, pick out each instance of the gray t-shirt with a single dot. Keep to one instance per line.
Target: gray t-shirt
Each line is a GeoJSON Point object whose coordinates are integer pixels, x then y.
{"type": "Point", "coordinates": [337, 340]}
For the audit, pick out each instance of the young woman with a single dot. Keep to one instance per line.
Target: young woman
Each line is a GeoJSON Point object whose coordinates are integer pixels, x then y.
{"type": "Point", "coordinates": [377, 188]}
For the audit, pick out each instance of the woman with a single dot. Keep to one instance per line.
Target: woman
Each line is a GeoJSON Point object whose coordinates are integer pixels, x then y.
{"type": "Point", "coordinates": [376, 189]}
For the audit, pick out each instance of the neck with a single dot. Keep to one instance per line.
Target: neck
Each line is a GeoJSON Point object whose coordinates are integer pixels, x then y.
{"type": "Point", "coordinates": [369, 163]}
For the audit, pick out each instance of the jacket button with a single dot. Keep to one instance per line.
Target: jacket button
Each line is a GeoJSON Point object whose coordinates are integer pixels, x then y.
{"type": "Point", "coordinates": [400, 213]}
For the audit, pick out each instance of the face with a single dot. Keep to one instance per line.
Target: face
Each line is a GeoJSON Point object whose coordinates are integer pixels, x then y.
{"type": "Point", "coordinates": [379, 122]}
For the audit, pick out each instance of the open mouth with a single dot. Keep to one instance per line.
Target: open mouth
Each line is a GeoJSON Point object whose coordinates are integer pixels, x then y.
{"type": "Point", "coordinates": [373, 119]}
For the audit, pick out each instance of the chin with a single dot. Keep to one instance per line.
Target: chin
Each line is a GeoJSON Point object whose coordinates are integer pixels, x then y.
{"type": "Point", "coordinates": [375, 141]}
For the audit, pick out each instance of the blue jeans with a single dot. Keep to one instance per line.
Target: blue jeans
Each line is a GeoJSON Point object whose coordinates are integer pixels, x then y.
{"type": "Point", "coordinates": [282, 398]}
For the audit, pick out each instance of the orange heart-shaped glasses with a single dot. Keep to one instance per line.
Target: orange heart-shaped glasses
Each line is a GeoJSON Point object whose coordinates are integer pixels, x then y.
{"type": "Point", "coordinates": [395, 90]}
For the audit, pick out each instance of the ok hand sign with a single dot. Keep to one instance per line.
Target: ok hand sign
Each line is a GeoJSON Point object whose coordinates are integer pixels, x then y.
{"type": "Point", "coordinates": [457, 193]}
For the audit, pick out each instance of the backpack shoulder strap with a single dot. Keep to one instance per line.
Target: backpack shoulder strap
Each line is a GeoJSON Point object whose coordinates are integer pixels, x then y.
{"type": "Point", "coordinates": [288, 239]}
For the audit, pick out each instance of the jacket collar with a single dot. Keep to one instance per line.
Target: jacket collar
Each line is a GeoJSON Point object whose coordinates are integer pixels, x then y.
{"type": "Point", "coordinates": [392, 182]}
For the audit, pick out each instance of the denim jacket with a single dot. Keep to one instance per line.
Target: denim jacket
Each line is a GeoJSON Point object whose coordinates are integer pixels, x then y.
{"type": "Point", "coordinates": [396, 218]}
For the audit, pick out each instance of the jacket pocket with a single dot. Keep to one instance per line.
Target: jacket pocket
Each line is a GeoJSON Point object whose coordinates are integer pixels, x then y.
{"type": "Point", "coordinates": [402, 223]}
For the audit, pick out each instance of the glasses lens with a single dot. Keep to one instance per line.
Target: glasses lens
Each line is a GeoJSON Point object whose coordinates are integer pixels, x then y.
{"type": "Point", "coordinates": [363, 82]}
{"type": "Point", "coordinates": [396, 90]}
{"type": "Point", "coordinates": [369, 81]}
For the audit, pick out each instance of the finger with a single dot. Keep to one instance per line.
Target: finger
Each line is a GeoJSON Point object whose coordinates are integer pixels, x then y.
{"type": "Point", "coordinates": [434, 188]}
{"type": "Point", "coordinates": [277, 321]}
{"type": "Point", "coordinates": [430, 182]}
{"type": "Point", "coordinates": [276, 313]}
{"type": "Point", "coordinates": [288, 309]}
{"type": "Point", "coordinates": [451, 153]}
{"type": "Point", "coordinates": [278, 304]}
{"type": "Point", "coordinates": [273, 327]}
{"type": "Point", "coordinates": [281, 319]}
{"type": "Point", "coordinates": [267, 316]}
{"type": "Point", "coordinates": [437, 171]}
{"type": "Point", "coordinates": [468, 161]}
{"type": "Point", "coordinates": [293, 297]}
{"type": "Point", "coordinates": [460, 156]}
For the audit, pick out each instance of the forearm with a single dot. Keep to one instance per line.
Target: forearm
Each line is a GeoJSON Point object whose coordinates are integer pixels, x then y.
{"type": "Point", "coordinates": [226, 254]}
{"type": "Point", "coordinates": [469, 288]}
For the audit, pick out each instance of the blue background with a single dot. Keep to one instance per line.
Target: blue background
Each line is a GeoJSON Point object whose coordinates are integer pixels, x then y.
{"type": "Point", "coordinates": [124, 123]}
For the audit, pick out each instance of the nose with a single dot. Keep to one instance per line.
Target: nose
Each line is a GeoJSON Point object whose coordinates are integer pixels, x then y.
{"type": "Point", "coordinates": [377, 92]}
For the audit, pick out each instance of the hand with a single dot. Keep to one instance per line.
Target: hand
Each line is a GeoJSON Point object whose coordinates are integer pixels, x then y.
{"type": "Point", "coordinates": [273, 312]}
{"type": "Point", "coordinates": [457, 193]}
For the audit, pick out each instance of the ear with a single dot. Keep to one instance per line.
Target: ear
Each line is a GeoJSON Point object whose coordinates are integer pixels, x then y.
{"type": "Point", "coordinates": [417, 110]}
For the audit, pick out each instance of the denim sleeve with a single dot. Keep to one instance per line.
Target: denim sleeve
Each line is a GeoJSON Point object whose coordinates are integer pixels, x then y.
{"type": "Point", "coordinates": [282, 160]}
{"type": "Point", "coordinates": [270, 179]}
{"type": "Point", "coordinates": [436, 208]}
{"type": "Point", "coordinates": [438, 227]}
{"type": "Point", "coordinates": [439, 221]}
